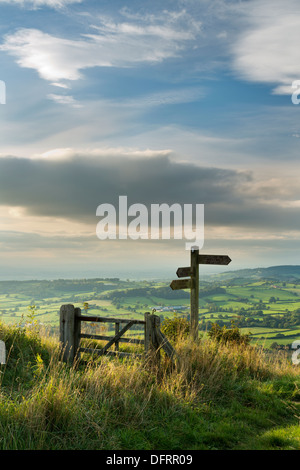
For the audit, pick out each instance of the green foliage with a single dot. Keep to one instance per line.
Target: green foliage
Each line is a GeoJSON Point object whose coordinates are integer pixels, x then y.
{"type": "Point", "coordinates": [25, 355]}
{"type": "Point", "coordinates": [32, 321]}
{"type": "Point", "coordinates": [228, 335]}
{"type": "Point", "coordinates": [175, 328]}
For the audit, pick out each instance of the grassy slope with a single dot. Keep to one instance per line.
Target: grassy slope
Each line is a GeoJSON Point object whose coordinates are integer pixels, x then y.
{"type": "Point", "coordinates": [219, 398]}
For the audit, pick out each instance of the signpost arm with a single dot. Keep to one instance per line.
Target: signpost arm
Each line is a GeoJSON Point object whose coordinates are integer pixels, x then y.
{"type": "Point", "coordinates": [194, 293]}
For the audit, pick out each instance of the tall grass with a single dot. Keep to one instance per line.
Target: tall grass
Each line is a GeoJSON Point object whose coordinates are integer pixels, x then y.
{"type": "Point", "coordinates": [217, 396]}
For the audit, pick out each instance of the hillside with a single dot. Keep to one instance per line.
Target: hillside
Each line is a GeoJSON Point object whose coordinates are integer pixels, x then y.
{"type": "Point", "coordinates": [281, 273]}
{"type": "Point", "coordinates": [268, 308]}
{"type": "Point", "coordinates": [218, 397]}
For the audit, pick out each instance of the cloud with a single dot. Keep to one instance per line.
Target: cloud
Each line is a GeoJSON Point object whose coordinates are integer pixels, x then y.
{"type": "Point", "coordinates": [64, 99]}
{"type": "Point", "coordinates": [167, 97]}
{"type": "Point", "coordinates": [124, 44]}
{"type": "Point", "coordinates": [40, 3]}
{"type": "Point", "coordinates": [49, 201]}
{"type": "Point", "coordinates": [74, 185]}
{"type": "Point", "coordinates": [13, 241]}
{"type": "Point", "coordinates": [70, 185]}
{"type": "Point", "coordinates": [53, 58]}
{"type": "Point", "coordinates": [267, 51]}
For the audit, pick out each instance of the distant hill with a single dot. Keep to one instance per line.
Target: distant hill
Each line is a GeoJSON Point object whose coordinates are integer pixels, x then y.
{"type": "Point", "coordinates": [281, 273]}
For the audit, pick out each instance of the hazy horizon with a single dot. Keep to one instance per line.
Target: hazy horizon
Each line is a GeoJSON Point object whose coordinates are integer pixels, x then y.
{"type": "Point", "coordinates": [164, 275]}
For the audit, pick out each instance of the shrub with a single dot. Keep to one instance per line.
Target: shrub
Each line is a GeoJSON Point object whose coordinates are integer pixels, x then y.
{"type": "Point", "coordinates": [228, 335]}
{"type": "Point", "coordinates": [175, 328]}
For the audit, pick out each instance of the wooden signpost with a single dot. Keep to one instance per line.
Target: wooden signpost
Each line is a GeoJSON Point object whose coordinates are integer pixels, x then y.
{"type": "Point", "coordinates": [192, 283]}
{"type": "Point", "coordinates": [180, 284]}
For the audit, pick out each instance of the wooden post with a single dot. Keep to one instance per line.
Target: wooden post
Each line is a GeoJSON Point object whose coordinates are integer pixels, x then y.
{"type": "Point", "coordinates": [77, 333]}
{"type": "Point", "coordinates": [194, 293]}
{"type": "Point", "coordinates": [155, 343]}
{"type": "Point", "coordinates": [152, 345]}
{"type": "Point", "coordinates": [117, 331]}
{"type": "Point", "coordinates": [147, 332]}
{"type": "Point", "coordinates": [69, 332]}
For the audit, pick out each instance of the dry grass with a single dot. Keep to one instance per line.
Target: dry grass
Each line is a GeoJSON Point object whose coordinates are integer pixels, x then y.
{"type": "Point", "coordinates": [117, 404]}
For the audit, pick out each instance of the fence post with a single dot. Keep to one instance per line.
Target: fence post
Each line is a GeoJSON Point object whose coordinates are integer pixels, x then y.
{"type": "Point", "coordinates": [117, 331]}
{"type": "Point", "coordinates": [147, 332]}
{"type": "Point", "coordinates": [69, 332]}
{"type": "Point", "coordinates": [152, 346]}
{"type": "Point", "coordinates": [194, 299]}
{"type": "Point", "coordinates": [155, 340]}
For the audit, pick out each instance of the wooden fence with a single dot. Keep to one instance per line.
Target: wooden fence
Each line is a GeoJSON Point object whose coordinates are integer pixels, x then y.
{"type": "Point", "coordinates": [71, 335]}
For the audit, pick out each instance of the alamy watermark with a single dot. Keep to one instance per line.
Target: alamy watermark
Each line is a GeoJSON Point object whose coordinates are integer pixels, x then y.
{"type": "Point", "coordinates": [2, 92]}
{"type": "Point", "coordinates": [162, 222]}
{"type": "Point", "coordinates": [295, 358]}
{"type": "Point", "coordinates": [296, 87]}
{"type": "Point", "coordinates": [2, 352]}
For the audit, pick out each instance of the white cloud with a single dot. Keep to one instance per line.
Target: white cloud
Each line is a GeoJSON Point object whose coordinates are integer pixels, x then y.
{"type": "Point", "coordinates": [64, 99]}
{"type": "Point", "coordinates": [267, 51]}
{"type": "Point", "coordinates": [122, 44]}
{"type": "Point", "coordinates": [39, 3]}
{"type": "Point", "coordinates": [166, 97]}
{"type": "Point", "coordinates": [53, 58]}
{"type": "Point", "coordinates": [283, 90]}
{"type": "Point", "coordinates": [60, 85]}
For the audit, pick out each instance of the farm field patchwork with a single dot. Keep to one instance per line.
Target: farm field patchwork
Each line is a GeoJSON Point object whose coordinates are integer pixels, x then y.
{"type": "Point", "coordinates": [268, 309]}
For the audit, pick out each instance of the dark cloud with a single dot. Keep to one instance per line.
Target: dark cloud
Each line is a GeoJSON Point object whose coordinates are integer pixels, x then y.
{"type": "Point", "coordinates": [73, 186]}
{"type": "Point", "coordinates": [12, 241]}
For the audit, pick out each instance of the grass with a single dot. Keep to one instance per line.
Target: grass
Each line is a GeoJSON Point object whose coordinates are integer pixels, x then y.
{"type": "Point", "coordinates": [217, 397]}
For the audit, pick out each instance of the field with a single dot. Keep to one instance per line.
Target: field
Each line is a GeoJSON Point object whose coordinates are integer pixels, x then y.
{"type": "Point", "coordinates": [267, 309]}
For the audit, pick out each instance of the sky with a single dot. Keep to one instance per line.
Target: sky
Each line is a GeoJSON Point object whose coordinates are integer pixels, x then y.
{"type": "Point", "coordinates": [173, 101]}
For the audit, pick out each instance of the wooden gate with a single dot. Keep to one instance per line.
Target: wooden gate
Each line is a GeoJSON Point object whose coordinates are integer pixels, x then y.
{"type": "Point", "coordinates": [70, 335]}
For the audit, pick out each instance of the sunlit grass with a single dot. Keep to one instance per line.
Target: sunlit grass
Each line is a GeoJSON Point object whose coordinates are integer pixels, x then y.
{"type": "Point", "coordinates": [216, 397]}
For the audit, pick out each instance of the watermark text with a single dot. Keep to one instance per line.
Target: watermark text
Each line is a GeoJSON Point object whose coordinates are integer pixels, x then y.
{"type": "Point", "coordinates": [2, 92]}
{"type": "Point", "coordinates": [296, 354]}
{"type": "Point", "coordinates": [2, 352]}
{"type": "Point", "coordinates": [163, 221]}
{"type": "Point", "coordinates": [296, 92]}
